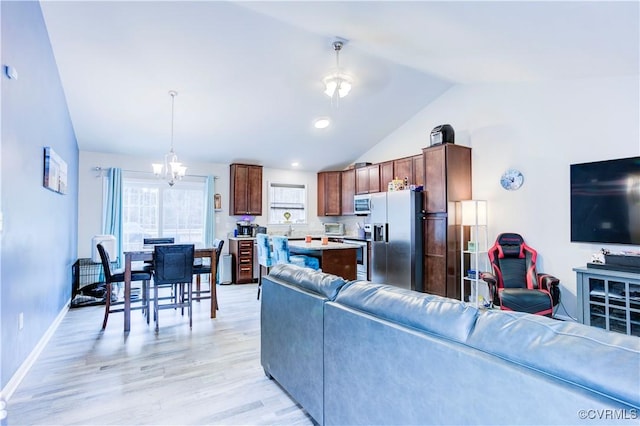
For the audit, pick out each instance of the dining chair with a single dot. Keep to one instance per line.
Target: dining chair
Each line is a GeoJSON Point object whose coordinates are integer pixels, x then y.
{"type": "Point", "coordinates": [149, 243]}
{"type": "Point", "coordinates": [282, 254]}
{"type": "Point", "coordinates": [265, 257]}
{"type": "Point", "coordinates": [201, 267]}
{"type": "Point", "coordinates": [112, 277]}
{"type": "Point", "coordinates": [173, 269]}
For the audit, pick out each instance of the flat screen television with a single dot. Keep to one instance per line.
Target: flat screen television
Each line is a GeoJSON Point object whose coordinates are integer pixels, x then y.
{"type": "Point", "coordinates": [605, 201]}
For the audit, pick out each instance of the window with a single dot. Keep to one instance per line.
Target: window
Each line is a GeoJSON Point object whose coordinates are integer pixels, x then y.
{"type": "Point", "coordinates": [287, 203]}
{"type": "Point", "coordinates": [151, 208]}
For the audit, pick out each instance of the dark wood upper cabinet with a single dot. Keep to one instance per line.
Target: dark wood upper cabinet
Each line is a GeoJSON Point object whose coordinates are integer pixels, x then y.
{"type": "Point", "coordinates": [447, 175]}
{"type": "Point", "coordinates": [403, 168]}
{"type": "Point", "coordinates": [418, 170]}
{"type": "Point", "coordinates": [245, 190]}
{"type": "Point", "coordinates": [348, 190]}
{"type": "Point", "coordinates": [368, 179]}
{"type": "Point", "coordinates": [329, 193]}
{"type": "Point", "coordinates": [386, 175]}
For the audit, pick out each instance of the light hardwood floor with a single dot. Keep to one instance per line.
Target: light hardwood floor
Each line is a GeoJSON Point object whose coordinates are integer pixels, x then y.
{"type": "Point", "coordinates": [208, 375]}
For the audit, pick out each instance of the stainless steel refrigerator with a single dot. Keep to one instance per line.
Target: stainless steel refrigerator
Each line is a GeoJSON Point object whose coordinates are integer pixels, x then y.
{"type": "Point", "coordinates": [397, 221]}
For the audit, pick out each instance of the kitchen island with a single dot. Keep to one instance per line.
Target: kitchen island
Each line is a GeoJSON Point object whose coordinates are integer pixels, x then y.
{"type": "Point", "coordinates": [335, 258]}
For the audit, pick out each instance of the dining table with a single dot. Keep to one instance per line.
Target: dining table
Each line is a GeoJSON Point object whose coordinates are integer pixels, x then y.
{"type": "Point", "coordinates": [147, 256]}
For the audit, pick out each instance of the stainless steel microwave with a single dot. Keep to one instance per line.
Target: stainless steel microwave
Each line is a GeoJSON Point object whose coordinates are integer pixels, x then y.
{"type": "Point", "coordinates": [362, 204]}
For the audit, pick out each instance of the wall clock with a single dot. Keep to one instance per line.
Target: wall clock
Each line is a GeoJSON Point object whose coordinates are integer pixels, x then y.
{"type": "Point", "coordinates": [512, 179]}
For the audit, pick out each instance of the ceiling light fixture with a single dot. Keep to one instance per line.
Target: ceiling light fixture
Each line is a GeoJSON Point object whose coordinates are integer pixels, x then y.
{"type": "Point", "coordinates": [171, 170]}
{"type": "Point", "coordinates": [337, 84]}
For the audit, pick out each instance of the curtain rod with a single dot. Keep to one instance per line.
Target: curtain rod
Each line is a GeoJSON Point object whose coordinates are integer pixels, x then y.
{"type": "Point", "coordinates": [99, 170]}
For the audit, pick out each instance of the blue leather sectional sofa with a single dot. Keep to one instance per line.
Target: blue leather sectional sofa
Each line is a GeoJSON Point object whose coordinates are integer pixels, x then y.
{"type": "Point", "coordinates": [360, 353]}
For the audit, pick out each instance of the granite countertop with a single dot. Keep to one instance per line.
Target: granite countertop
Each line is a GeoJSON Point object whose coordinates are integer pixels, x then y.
{"type": "Point", "coordinates": [242, 238]}
{"type": "Point", "coordinates": [316, 238]}
{"type": "Point", "coordinates": [317, 245]}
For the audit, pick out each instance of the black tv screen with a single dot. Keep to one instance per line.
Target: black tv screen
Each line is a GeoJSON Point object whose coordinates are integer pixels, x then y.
{"type": "Point", "coordinates": [605, 201]}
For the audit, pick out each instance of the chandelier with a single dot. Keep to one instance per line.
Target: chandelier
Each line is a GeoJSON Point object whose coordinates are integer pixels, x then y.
{"type": "Point", "coordinates": [171, 170]}
{"type": "Point", "coordinates": [337, 84]}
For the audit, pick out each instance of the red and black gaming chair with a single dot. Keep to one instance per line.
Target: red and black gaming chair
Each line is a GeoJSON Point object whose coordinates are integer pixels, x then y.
{"type": "Point", "coordinates": [515, 284]}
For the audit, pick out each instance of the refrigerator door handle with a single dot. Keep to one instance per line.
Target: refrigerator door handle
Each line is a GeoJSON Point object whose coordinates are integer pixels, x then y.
{"type": "Point", "coordinates": [386, 232]}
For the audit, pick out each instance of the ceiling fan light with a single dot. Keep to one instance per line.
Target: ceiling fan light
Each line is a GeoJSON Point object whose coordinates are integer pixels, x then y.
{"type": "Point", "coordinates": [331, 84]}
{"type": "Point", "coordinates": [344, 88]}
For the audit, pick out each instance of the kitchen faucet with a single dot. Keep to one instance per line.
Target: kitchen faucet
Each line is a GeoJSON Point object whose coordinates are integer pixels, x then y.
{"type": "Point", "coordinates": [289, 231]}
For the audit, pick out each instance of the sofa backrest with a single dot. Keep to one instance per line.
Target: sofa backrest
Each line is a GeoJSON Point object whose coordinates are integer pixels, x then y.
{"type": "Point", "coordinates": [599, 360]}
{"type": "Point", "coordinates": [427, 312]}
{"type": "Point", "coordinates": [326, 285]}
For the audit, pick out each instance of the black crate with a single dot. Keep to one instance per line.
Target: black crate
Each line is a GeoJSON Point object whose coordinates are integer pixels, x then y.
{"type": "Point", "coordinates": [88, 285]}
{"type": "Point", "coordinates": [86, 272]}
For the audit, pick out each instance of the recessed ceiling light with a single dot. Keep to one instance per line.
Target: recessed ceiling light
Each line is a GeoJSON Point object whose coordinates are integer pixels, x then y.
{"type": "Point", "coordinates": [322, 123]}
{"type": "Point", "coordinates": [295, 164]}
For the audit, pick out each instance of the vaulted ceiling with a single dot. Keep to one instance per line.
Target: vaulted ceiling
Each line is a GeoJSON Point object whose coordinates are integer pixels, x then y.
{"type": "Point", "coordinates": [249, 74]}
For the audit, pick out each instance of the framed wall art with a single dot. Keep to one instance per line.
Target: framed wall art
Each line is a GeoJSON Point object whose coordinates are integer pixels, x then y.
{"type": "Point", "coordinates": [55, 171]}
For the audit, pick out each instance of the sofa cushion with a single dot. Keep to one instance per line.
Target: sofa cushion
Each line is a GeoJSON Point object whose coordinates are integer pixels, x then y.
{"type": "Point", "coordinates": [600, 360]}
{"type": "Point", "coordinates": [318, 282]}
{"type": "Point", "coordinates": [445, 317]}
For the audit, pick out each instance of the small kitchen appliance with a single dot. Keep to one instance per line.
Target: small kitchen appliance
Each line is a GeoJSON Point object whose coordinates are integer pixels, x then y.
{"type": "Point", "coordinates": [245, 229]}
{"type": "Point", "coordinates": [333, 228]}
{"type": "Point", "coordinates": [442, 134]}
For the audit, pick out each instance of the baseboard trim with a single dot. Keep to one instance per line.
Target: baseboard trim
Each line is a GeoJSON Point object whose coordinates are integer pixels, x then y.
{"type": "Point", "coordinates": [19, 375]}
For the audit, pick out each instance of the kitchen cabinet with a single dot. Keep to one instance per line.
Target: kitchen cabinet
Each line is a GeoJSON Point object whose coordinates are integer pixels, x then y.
{"type": "Point", "coordinates": [242, 252]}
{"type": "Point", "coordinates": [347, 191]}
{"type": "Point", "coordinates": [447, 175]}
{"type": "Point", "coordinates": [368, 179]}
{"type": "Point", "coordinates": [329, 193]}
{"type": "Point", "coordinates": [246, 190]}
{"type": "Point", "coordinates": [418, 170]}
{"type": "Point", "coordinates": [447, 180]}
{"type": "Point", "coordinates": [386, 175]}
{"type": "Point", "coordinates": [403, 168]}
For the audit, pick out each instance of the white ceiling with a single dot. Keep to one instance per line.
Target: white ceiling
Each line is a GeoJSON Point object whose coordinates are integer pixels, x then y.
{"type": "Point", "coordinates": [248, 74]}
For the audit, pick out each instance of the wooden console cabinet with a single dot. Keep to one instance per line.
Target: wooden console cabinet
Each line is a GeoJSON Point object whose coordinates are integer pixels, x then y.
{"type": "Point", "coordinates": [246, 190]}
{"type": "Point", "coordinates": [241, 250]}
{"type": "Point", "coordinates": [447, 179]}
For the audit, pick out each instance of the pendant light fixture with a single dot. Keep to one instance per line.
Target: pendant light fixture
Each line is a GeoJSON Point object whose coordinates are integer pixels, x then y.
{"type": "Point", "coordinates": [171, 170]}
{"type": "Point", "coordinates": [337, 84]}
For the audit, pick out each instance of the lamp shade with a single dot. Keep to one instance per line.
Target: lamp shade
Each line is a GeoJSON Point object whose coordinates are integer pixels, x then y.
{"type": "Point", "coordinates": [474, 212]}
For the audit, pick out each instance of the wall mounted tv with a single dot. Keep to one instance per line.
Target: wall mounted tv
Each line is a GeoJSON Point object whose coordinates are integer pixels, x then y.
{"type": "Point", "coordinates": [605, 201]}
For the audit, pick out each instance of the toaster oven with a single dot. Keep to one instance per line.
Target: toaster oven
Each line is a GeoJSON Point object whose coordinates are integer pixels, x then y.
{"type": "Point", "coordinates": [333, 228]}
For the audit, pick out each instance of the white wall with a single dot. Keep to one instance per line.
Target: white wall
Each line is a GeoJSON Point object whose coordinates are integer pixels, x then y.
{"type": "Point", "coordinates": [91, 181]}
{"type": "Point", "coordinates": [540, 129]}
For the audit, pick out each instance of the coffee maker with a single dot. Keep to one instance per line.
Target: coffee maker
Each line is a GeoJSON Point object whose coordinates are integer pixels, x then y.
{"type": "Point", "coordinates": [245, 229]}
